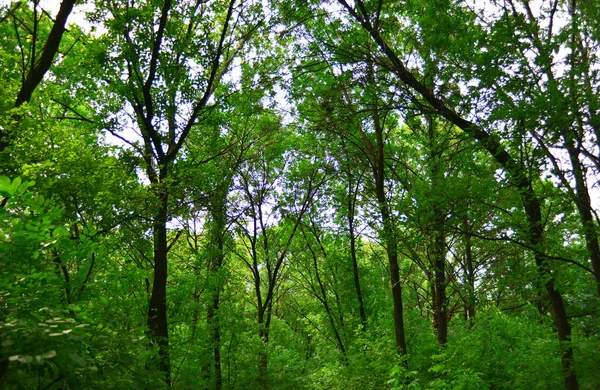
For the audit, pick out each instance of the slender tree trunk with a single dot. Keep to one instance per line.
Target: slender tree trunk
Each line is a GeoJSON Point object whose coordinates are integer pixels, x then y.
{"type": "Point", "coordinates": [389, 238]}
{"type": "Point", "coordinates": [470, 273]}
{"type": "Point", "coordinates": [217, 348]}
{"type": "Point", "coordinates": [325, 303]}
{"type": "Point", "coordinates": [355, 273]}
{"type": "Point", "coordinates": [263, 332]}
{"type": "Point", "coordinates": [441, 315]}
{"type": "Point", "coordinates": [437, 248]}
{"type": "Point", "coordinates": [42, 65]}
{"type": "Point", "coordinates": [157, 308]}
{"type": "Point", "coordinates": [338, 302]}
{"type": "Point", "coordinates": [392, 251]}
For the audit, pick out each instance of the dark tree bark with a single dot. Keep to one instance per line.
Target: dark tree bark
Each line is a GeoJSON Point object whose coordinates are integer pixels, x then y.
{"type": "Point", "coordinates": [469, 272]}
{"type": "Point", "coordinates": [392, 253]}
{"type": "Point", "coordinates": [157, 307]}
{"type": "Point", "coordinates": [160, 150]}
{"type": "Point", "coordinates": [439, 262]}
{"type": "Point", "coordinates": [214, 340]}
{"type": "Point", "coordinates": [263, 362]}
{"type": "Point", "coordinates": [437, 247]}
{"type": "Point", "coordinates": [42, 65]}
{"type": "Point", "coordinates": [217, 231]}
{"type": "Point", "coordinates": [389, 236]}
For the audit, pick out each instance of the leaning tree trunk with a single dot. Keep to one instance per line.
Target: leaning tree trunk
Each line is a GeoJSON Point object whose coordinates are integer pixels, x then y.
{"type": "Point", "coordinates": [323, 297]}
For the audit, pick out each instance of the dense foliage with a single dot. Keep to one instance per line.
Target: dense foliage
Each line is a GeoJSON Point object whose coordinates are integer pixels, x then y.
{"type": "Point", "coordinates": [291, 194]}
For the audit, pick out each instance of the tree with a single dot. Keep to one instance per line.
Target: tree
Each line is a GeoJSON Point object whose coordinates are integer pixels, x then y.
{"type": "Point", "coordinates": [344, 195]}
{"type": "Point", "coordinates": [269, 228]}
{"type": "Point", "coordinates": [183, 56]}
{"type": "Point", "coordinates": [369, 23]}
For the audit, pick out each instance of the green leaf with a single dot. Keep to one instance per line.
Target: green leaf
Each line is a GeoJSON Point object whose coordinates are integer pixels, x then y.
{"type": "Point", "coordinates": [4, 182]}
{"type": "Point", "coordinates": [16, 184]}
{"type": "Point", "coordinates": [5, 187]}
{"type": "Point", "coordinates": [78, 359]}
{"type": "Point", "coordinates": [7, 343]}
{"type": "Point", "coordinates": [24, 186]}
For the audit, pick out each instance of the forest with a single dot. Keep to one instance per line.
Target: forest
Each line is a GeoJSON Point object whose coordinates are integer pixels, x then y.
{"type": "Point", "coordinates": [300, 194]}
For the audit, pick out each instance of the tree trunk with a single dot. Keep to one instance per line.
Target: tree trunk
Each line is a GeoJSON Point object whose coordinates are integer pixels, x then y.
{"type": "Point", "coordinates": [389, 238]}
{"type": "Point", "coordinates": [214, 340]}
{"type": "Point", "coordinates": [3, 370]}
{"type": "Point", "coordinates": [564, 335]}
{"type": "Point", "coordinates": [437, 248]}
{"type": "Point", "coordinates": [559, 314]}
{"type": "Point", "coordinates": [470, 273]}
{"type": "Point", "coordinates": [355, 274]}
{"type": "Point", "coordinates": [325, 303]}
{"type": "Point", "coordinates": [441, 315]}
{"type": "Point", "coordinates": [42, 65]}
{"type": "Point", "coordinates": [157, 308]}
{"type": "Point", "coordinates": [216, 234]}
{"type": "Point", "coordinates": [263, 333]}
